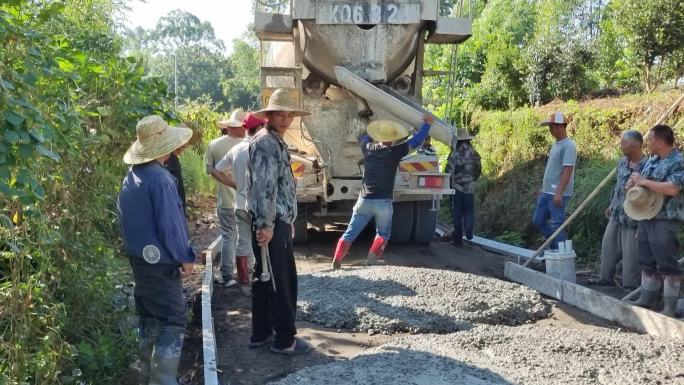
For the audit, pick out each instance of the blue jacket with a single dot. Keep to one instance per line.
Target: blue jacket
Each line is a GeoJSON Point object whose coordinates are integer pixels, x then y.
{"type": "Point", "coordinates": [151, 215]}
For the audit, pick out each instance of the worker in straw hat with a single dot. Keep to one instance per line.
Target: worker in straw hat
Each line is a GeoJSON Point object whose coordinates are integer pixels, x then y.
{"type": "Point", "coordinates": [225, 195]}
{"type": "Point", "coordinates": [655, 200]}
{"type": "Point", "coordinates": [383, 148]}
{"type": "Point", "coordinates": [559, 179]}
{"type": "Point", "coordinates": [236, 163]}
{"type": "Point", "coordinates": [273, 205]}
{"type": "Point", "coordinates": [465, 168]}
{"type": "Point", "coordinates": [156, 241]}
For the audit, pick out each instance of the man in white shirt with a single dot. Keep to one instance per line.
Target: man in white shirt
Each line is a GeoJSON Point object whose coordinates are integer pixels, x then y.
{"type": "Point", "coordinates": [236, 162]}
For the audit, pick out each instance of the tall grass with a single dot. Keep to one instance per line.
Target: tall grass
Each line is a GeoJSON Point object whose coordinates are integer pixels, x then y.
{"type": "Point", "coordinates": [195, 177]}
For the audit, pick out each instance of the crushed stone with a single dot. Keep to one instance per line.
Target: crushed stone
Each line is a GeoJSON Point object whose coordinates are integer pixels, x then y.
{"type": "Point", "coordinates": [496, 355]}
{"type": "Point", "coordinates": [391, 299]}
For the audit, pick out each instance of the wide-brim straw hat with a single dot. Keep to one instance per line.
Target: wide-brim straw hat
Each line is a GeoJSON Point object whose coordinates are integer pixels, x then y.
{"type": "Point", "coordinates": [155, 138]}
{"type": "Point", "coordinates": [555, 118]}
{"type": "Point", "coordinates": [386, 131]}
{"type": "Point", "coordinates": [234, 121]}
{"type": "Point", "coordinates": [463, 134]}
{"type": "Point", "coordinates": [283, 99]}
{"type": "Point", "coordinates": [643, 204]}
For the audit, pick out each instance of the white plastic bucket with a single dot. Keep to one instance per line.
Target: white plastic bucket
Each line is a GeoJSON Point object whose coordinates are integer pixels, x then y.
{"type": "Point", "coordinates": [561, 265]}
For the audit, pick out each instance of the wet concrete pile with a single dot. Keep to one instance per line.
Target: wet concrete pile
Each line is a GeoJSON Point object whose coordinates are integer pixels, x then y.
{"type": "Point", "coordinates": [496, 355]}
{"type": "Point", "coordinates": [390, 299]}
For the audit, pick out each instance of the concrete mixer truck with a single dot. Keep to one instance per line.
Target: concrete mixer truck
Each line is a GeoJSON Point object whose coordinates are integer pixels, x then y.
{"type": "Point", "coordinates": [350, 62]}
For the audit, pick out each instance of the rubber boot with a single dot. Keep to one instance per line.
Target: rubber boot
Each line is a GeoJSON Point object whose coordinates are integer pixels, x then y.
{"type": "Point", "coordinates": [243, 275]}
{"type": "Point", "coordinates": [671, 286]}
{"type": "Point", "coordinates": [650, 289]}
{"type": "Point", "coordinates": [340, 252]}
{"type": "Point", "coordinates": [163, 371]}
{"type": "Point", "coordinates": [375, 252]}
{"type": "Point", "coordinates": [148, 335]}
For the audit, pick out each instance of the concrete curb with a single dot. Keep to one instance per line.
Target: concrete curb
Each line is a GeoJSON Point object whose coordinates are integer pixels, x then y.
{"type": "Point", "coordinates": [609, 308]}
{"type": "Point", "coordinates": [208, 339]}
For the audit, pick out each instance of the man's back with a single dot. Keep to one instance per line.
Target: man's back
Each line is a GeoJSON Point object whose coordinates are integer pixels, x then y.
{"type": "Point", "coordinates": [217, 149]}
{"type": "Point", "coordinates": [380, 164]}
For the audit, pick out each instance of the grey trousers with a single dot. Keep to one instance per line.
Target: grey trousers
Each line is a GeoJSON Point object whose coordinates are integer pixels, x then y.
{"type": "Point", "coordinates": [226, 219]}
{"type": "Point", "coordinates": [619, 243]}
{"type": "Point", "coordinates": [243, 247]}
{"type": "Point", "coordinates": [659, 247]}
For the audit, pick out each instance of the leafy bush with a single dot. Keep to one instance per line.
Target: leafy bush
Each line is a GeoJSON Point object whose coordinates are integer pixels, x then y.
{"type": "Point", "coordinates": [68, 109]}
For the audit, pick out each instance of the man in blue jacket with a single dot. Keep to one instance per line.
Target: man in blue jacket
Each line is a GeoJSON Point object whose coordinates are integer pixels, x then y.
{"type": "Point", "coordinates": [156, 240]}
{"type": "Point", "coordinates": [382, 151]}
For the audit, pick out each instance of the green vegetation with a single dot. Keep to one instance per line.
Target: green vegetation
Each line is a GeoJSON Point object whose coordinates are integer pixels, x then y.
{"type": "Point", "coordinates": [514, 149]}
{"type": "Point", "coordinates": [69, 102]}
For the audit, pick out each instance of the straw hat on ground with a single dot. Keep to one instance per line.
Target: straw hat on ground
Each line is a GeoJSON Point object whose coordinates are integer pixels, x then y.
{"type": "Point", "coordinates": [283, 99]}
{"type": "Point", "coordinates": [234, 121]}
{"type": "Point", "coordinates": [155, 139]}
{"type": "Point", "coordinates": [642, 204]}
{"type": "Point", "coordinates": [556, 118]}
{"type": "Point", "coordinates": [462, 134]}
{"type": "Point", "coordinates": [386, 131]}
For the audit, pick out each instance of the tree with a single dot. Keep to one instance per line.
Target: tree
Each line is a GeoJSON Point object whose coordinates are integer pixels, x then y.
{"type": "Point", "coordinates": [654, 34]}
{"type": "Point", "coordinates": [182, 46]}
{"type": "Point", "coordinates": [241, 87]}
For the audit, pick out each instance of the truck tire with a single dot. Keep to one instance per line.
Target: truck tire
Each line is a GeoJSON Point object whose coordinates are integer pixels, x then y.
{"type": "Point", "coordinates": [424, 223]}
{"type": "Point", "coordinates": [301, 225]}
{"type": "Point", "coordinates": [402, 223]}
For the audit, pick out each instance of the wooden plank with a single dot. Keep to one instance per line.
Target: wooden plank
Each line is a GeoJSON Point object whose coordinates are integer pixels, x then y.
{"type": "Point", "coordinates": [503, 248]}
{"type": "Point", "coordinates": [601, 305]}
{"type": "Point", "coordinates": [208, 338]}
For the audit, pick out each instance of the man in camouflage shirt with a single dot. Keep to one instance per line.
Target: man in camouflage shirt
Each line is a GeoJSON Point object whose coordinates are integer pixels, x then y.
{"type": "Point", "coordinates": [465, 168]}
{"type": "Point", "coordinates": [273, 204]}
{"type": "Point", "coordinates": [619, 239]}
{"type": "Point", "coordinates": [657, 242]}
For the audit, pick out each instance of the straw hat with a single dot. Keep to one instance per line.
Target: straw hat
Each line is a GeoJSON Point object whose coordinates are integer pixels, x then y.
{"type": "Point", "coordinates": [555, 118]}
{"type": "Point", "coordinates": [155, 139]}
{"type": "Point", "coordinates": [642, 204]}
{"type": "Point", "coordinates": [234, 121]}
{"type": "Point", "coordinates": [462, 134]}
{"type": "Point", "coordinates": [386, 131]}
{"type": "Point", "coordinates": [283, 99]}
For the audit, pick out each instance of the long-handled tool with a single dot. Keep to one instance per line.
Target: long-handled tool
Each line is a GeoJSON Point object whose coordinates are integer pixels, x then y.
{"type": "Point", "coordinates": [266, 270]}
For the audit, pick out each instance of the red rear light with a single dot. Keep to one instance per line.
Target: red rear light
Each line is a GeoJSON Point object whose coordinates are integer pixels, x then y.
{"type": "Point", "coordinates": [431, 181]}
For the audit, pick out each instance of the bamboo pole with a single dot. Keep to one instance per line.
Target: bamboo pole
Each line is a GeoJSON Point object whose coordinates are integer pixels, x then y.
{"type": "Point", "coordinates": [593, 194]}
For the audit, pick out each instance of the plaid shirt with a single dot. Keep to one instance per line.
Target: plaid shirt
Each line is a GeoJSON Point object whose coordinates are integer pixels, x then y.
{"type": "Point", "coordinates": [464, 166]}
{"type": "Point", "coordinates": [670, 169]}
{"type": "Point", "coordinates": [617, 210]}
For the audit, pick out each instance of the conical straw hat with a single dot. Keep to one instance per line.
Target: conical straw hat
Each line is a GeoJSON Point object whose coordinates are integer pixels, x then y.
{"type": "Point", "coordinates": [386, 131]}
{"type": "Point", "coordinates": [155, 139]}
{"type": "Point", "coordinates": [283, 99]}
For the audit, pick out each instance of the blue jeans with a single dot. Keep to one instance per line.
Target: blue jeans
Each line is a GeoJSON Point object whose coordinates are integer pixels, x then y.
{"type": "Point", "coordinates": [549, 217]}
{"type": "Point", "coordinates": [366, 209]}
{"type": "Point", "coordinates": [463, 215]}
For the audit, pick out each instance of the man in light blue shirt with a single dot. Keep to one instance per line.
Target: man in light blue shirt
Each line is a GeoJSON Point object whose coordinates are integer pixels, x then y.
{"type": "Point", "coordinates": [558, 185]}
